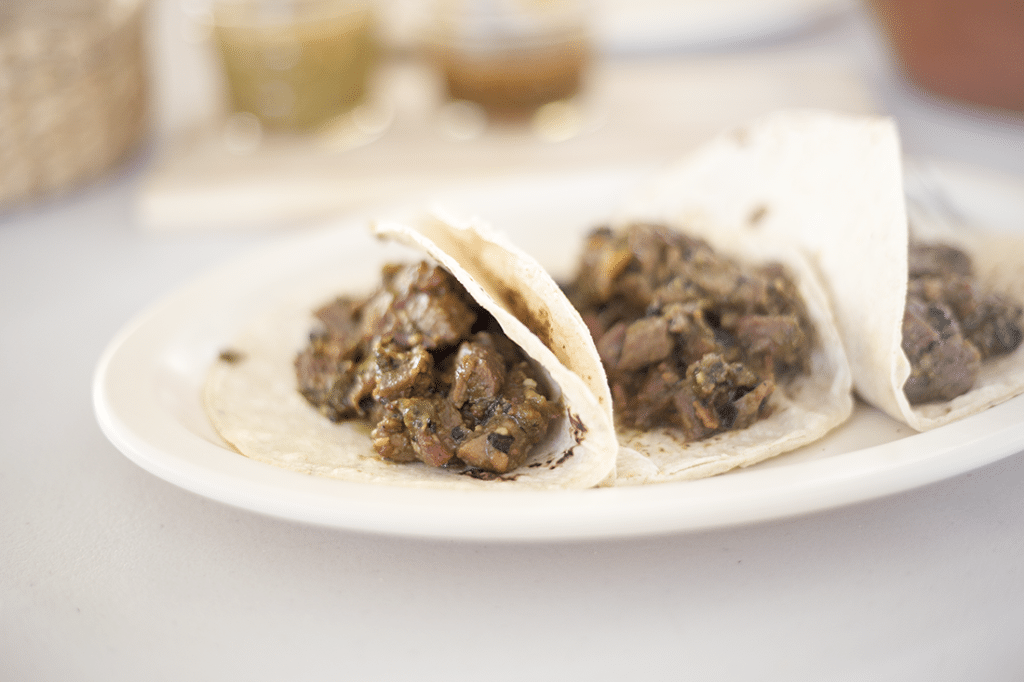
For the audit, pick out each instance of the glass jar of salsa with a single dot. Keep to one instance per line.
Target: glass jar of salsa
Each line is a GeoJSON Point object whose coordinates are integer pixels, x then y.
{"type": "Point", "coordinates": [511, 56]}
{"type": "Point", "coordinates": [296, 64]}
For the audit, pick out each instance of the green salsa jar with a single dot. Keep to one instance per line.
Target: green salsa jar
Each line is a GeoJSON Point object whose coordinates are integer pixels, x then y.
{"type": "Point", "coordinates": [296, 64]}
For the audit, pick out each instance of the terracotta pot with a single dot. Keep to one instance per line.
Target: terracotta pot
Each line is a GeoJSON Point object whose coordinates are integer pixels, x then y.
{"type": "Point", "coordinates": [972, 50]}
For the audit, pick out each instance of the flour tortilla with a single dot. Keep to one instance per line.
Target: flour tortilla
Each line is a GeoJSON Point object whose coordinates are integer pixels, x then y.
{"type": "Point", "coordinates": [832, 185]}
{"type": "Point", "coordinates": [255, 405]}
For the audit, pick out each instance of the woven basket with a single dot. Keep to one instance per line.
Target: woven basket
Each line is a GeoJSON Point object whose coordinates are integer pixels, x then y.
{"type": "Point", "coordinates": [73, 95]}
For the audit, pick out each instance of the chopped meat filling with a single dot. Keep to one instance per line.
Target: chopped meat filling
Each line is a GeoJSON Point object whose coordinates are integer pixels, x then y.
{"type": "Point", "coordinates": [430, 369]}
{"type": "Point", "coordinates": [951, 324]}
{"type": "Point", "coordinates": [688, 338]}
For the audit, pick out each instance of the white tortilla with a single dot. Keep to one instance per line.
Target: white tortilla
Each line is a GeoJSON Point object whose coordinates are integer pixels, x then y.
{"type": "Point", "coordinates": [255, 405]}
{"type": "Point", "coordinates": [832, 184]}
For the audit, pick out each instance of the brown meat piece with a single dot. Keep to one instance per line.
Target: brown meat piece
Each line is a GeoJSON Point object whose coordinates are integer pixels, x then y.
{"type": "Point", "coordinates": [952, 323]}
{"type": "Point", "coordinates": [318, 368]}
{"type": "Point", "coordinates": [429, 424]}
{"type": "Point", "coordinates": [690, 414]}
{"type": "Point", "coordinates": [390, 439]}
{"type": "Point", "coordinates": [609, 344]}
{"type": "Point", "coordinates": [719, 385]}
{"type": "Point", "coordinates": [646, 342]}
{"type": "Point", "coordinates": [777, 343]}
{"type": "Point", "coordinates": [496, 449]}
{"type": "Point", "coordinates": [392, 358]}
{"type": "Point", "coordinates": [989, 320]}
{"type": "Point", "coordinates": [943, 364]}
{"type": "Point", "coordinates": [645, 400]}
{"type": "Point", "coordinates": [420, 305]}
{"type": "Point", "coordinates": [479, 373]}
{"type": "Point", "coordinates": [714, 396]}
{"type": "Point", "coordinates": [696, 337]}
{"type": "Point", "coordinates": [329, 380]}
{"type": "Point", "coordinates": [688, 338]}
{"type": "Point", "coordinates": [343, 324]}
{"type": "Point", "coordinates": [752, 405]}
{"type": "Point", "coordinates": [400, 374]}
{"type": "Point", "coordinates": [352, 398]}
{"type": "Point", "coordinates": [519, 416]}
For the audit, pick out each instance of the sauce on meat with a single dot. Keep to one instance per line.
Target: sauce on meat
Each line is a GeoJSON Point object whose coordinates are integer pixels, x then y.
{"type": "Point", "coordinates": [430, 369]}
{"type": "Point", "coordinates": [689, 339]}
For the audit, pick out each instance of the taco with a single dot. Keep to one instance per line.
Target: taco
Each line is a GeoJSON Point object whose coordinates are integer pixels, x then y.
{"type": "Point", "coordinates": [717, 358]}
{"type": "Point", "coordinates": [429, 381]}
{"type": "Point", "coordinates": [832, 185]}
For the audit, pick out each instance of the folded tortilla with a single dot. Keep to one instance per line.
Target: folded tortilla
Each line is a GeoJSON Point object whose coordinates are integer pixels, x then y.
{"type": "Point", "coordinates": [832, 185]}
{"type": "Point", "coordinates": [252, 399]}
{"type": "Point", "coordinates": [803, 408]}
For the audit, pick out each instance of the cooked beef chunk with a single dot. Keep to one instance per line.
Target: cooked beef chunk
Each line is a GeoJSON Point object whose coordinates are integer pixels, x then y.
{"type": "Point", "coordinates": [419, 305]}
{"type": "Point", "coordinates": [478, 375]}
{"type": "Point", "coordinates": [517, 417]}
{"type": "Point", "coordinates": [429, 422]}
{"type": "Point", "coordinates": [401, 373]}
{"type": "Point", "coordinates": [989, 320]}
{"type": "Point", "coordinates": [952, 324]}
{"type": "Point", "coordinates": [723, 391]}
{"type": "Point", "coordinates": [689, 339]}
{"type": "Point", "coordinates": [773, 343]}
{"type": "Point", "coordinates": [646, 341]}
{"type": "Point", "coordinates": [433, 371]}
{"type": "Point", "coordinates": [994, 325]}
{"type": "Point", "coordinates": [331, 380]}
{"type": "Point", "coordinates": [688, 322]}
{"type": "Point", "coordinates": [943, 363]}
{"type": "Point", "coordinates": [390, 439]}
{"type": "Point", "coordinates": [342, 324]}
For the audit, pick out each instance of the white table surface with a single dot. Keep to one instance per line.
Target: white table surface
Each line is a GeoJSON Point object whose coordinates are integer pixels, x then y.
{"type": "Point", "coordinates": [109, 573]}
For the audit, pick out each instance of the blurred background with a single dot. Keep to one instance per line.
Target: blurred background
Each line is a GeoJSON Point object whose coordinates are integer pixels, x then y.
{"type": "Point", "coordinates": [249, 113]}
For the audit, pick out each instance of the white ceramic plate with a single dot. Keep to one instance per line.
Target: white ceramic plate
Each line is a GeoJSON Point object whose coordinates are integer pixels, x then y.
{"type": "Point", "coordinates": [646, 26]}
{"type": "Point", "coordinates": [148, 383]}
